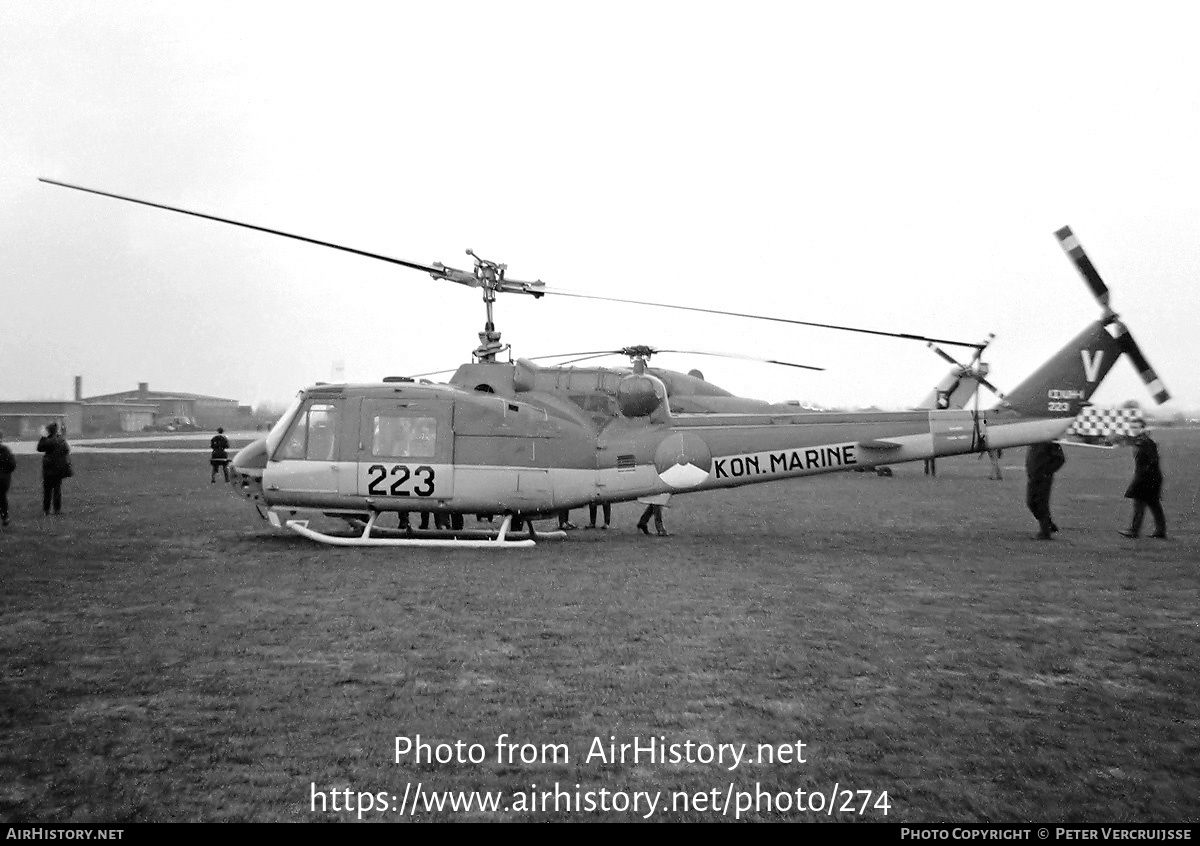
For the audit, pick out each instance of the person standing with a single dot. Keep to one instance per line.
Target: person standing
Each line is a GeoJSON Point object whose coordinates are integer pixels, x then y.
{"type": "Point", "coordinates": [7, 465]}
{"type": "Point", "coordinates": [995, 455]}
{"type": "Point", "coordinates": [1042, 461]}
{"type": "Point", "coordinates": [1146, 488]}
{"type": "Point", "coordinates": [655, 511]}
{"type": "Point", "coordinates": [441, 520]}
{"type": "Point", "coordinates": [592, 515]}
{"type": "Point", "coordinates": [56, 466]}
{"type": "Point", "coordinates": [220, 455]}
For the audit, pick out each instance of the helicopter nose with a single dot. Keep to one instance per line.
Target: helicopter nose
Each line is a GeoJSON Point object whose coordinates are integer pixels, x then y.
{"type": "Point", "coordinates": [247, 471]}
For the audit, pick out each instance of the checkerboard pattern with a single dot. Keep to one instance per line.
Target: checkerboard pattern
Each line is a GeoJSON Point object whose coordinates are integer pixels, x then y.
{"type": "Point", "coordinates": [1107, 422]}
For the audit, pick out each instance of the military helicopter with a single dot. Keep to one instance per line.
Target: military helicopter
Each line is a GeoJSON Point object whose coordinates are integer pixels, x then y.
{"type": "Point", "coordinates": [689, 393]}
{"type": "Point", "coordinates": [520, 441]}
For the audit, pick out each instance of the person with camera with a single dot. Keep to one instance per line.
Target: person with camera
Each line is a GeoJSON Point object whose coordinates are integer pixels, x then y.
{"type": "Point", "coordinates": [56, 466]}
{"type": "Point", "coordinates": [220, 455]}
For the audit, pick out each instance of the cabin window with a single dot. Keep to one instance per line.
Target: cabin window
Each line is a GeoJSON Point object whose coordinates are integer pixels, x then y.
{"type": "Point", "coordinates": [393, 436]}
{"type": "Point", "coordinates": [597, 406]}
{"type": "Point", "coordinates": [313, 435]}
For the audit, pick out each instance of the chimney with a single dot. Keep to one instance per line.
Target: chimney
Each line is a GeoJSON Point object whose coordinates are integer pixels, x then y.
{"type": "Point", "coordinates": [143, 390]}
{"type": "Point", "coordinates": [78, 388]}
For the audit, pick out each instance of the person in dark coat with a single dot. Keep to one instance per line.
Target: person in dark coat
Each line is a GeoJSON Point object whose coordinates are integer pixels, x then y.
{"type": "Point", "coordinates": [1146, 488]}
{"type": "Point", "coordinates": [7, 465]}
{"type": "Point", "coordinates": [1042, 461]}
{"type": "Point", "coordinates": [607, 506]}
{"type": "Point", "coordinates": [220, 455]}
{"type": "Point", "coordinates": [56, 466]}
{"type": "Point", "coordinates": [440, 520]}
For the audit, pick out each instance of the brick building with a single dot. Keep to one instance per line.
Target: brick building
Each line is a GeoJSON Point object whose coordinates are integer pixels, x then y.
{"type": "Point", "coordinates": [163, 406]}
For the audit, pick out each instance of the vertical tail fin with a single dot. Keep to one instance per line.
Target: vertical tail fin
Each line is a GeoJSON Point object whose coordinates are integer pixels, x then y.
{"type": "Point", "coordinates": [1064, 384]}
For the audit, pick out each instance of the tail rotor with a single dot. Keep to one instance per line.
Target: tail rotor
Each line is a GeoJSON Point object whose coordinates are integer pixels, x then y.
{"type": "Point", "coordinates": [974, 372]}
{"type": "Point", "coordinates": [1119, 332]}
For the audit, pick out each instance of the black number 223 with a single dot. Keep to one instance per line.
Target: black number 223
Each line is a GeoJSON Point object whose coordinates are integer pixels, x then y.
{"type": "Point", "coordinates": [401, 475]}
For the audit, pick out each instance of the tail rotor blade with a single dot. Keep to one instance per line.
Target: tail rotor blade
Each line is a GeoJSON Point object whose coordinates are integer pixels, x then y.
{"type": "Point", "coordinates": [1130, 348]}
{"type": "Point", "coordinates": [985, 383]}
{"type": "Point", "coordinates": [1068, 241]}
{"type": "Point", "coordinates": [944, 355]}
{"type": "Point", "coordinates": [1124, 340]}
{"type": "Point", "coordinates": [979, 351]}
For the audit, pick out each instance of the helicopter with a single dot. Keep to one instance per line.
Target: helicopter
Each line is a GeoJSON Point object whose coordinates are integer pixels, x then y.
{"type": "Point", "coordinates": [958, 386]}
{"type": "Point", "coordinates": [521, 441]}
{"type": "Point", "coordinates": [689, 393]}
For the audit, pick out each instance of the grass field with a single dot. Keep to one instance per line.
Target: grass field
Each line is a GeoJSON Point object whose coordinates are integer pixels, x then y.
{"type": "Point", "coordinates": [165, 656]}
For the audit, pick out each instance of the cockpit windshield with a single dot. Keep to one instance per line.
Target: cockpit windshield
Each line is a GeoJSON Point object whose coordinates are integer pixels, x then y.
{"type": "Point", "coordinates": [281, 426]}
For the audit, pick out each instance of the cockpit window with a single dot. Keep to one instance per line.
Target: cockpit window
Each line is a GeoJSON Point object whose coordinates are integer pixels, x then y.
{"type": "Point", "coordinates": [275, 436]}
{"type": "Point", "coordinates": [312, 435]}
{"type": "Point", "coordinates": [394, 436]}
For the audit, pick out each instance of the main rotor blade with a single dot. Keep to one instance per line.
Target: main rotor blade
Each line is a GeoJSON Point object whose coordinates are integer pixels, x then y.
{"type": "Point", "coordinates": [589, 354]}
{"type": "Point", "coordinates": [436, 271]}
{"type": "Point", "coordinates": [537, 289]}
{"type": "Point", "coordinates": [432, 373]}
{"type": "Point", "coordinates": [586, 357]}
{"type": "Point", "coordinates": [647, 352]}
{"type": "Point", "coordinates": [743, 358]}
{"type": "Point", "coordinates": [903, 335]}
{"type": "Point", "coordinates": [1068, 241]}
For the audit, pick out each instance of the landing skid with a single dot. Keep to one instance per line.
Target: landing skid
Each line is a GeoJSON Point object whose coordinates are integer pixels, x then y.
{"type": "Point", "coordinates": [465, 538]}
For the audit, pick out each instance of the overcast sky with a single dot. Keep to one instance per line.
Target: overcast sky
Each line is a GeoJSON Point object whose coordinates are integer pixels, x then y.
{"type": "Point", "coordinates": [899, 166]}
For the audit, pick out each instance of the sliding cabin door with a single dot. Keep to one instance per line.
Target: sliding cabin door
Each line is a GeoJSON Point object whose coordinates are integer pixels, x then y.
{"type": "Point", "coordinates": [406, 450]}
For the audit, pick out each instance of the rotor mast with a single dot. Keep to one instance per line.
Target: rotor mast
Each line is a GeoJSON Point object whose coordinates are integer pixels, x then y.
{"type": "Point", "coordinates": [489, 276]}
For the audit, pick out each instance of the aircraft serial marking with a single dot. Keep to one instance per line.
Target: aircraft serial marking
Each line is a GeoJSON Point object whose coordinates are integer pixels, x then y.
{"type": "Point", "coordinates": [401, 474]}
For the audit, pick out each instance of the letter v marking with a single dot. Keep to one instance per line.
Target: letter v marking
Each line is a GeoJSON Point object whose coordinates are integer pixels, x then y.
{"type": "Point", "coordinates": [1091, 364]}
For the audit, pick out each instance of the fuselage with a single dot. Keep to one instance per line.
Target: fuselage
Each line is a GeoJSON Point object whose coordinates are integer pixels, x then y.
{"type": "Point", "coordinates": [533, 441]}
